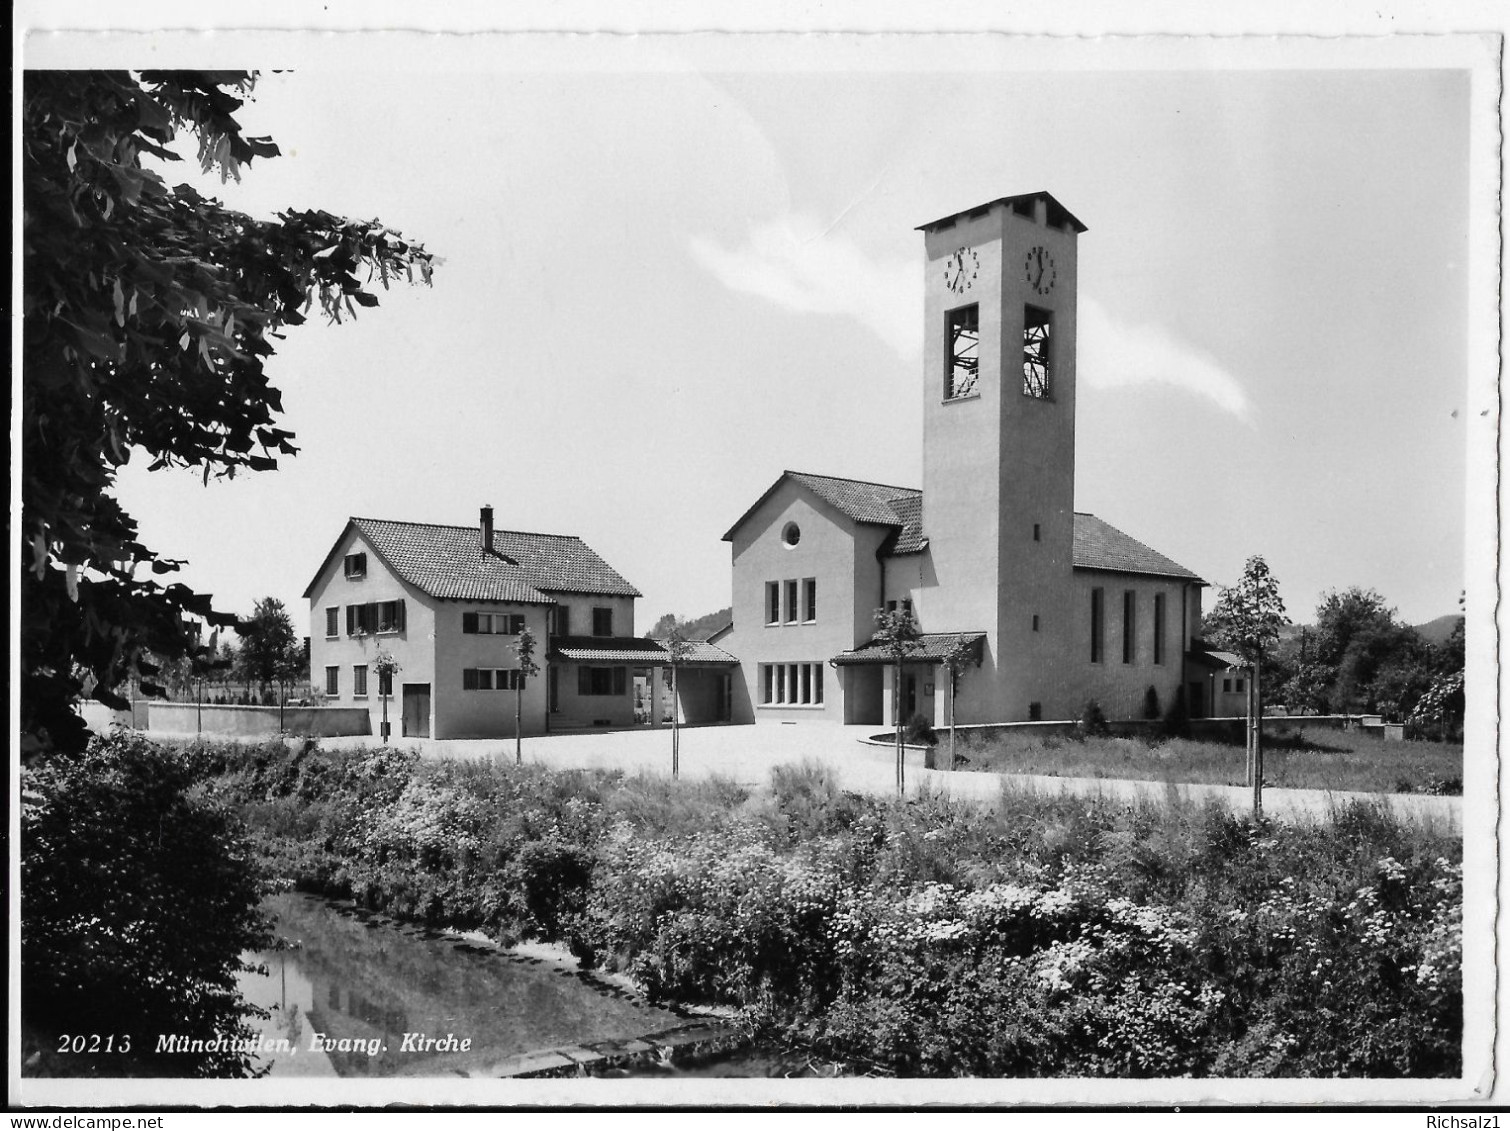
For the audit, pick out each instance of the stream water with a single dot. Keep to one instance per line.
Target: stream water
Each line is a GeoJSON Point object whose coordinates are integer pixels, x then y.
{"type": "Point", "coordinates": [358, 993]}
{"type": "Point", "coordinates": [362, 994]}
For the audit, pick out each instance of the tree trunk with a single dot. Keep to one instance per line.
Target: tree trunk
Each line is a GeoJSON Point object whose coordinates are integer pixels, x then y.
{"type": "Point", "coordinates": [950, 677]}
{"type": "Point", "coordinates": [1257, 712]}
{"type": "Point", "coordinates": [676, 736]}
{"type": "Point", "coordinates": [896, 713]}
{"type": "Point", "coordinates": [518, 720]}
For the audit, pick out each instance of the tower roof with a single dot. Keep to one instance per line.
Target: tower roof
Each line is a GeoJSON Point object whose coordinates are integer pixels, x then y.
{"type": "Point", "coordinates": [1058, 214]}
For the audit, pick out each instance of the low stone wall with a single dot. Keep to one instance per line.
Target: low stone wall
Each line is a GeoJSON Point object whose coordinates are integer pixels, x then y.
{"type": "Point", "coordinates": [234, 721]}
{"type": "Point", "coordinates": [1228, 730]}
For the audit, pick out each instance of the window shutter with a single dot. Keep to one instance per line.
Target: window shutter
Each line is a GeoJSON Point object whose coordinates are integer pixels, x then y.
{"type": "Point", "coordinates": [351, 620]}
{"type": "Point", "coordinates": [399, 619]}
{"type": "Point", "coordinates": [584, 681]}
{"type": "Point", "coordinates": [469, 679]}
{"type": "Point", "coordinates": [469, 622]}
{"type": "Point", "coordinates": [620, 681]}
{"type": "Point", "coordinates": [516, 623]}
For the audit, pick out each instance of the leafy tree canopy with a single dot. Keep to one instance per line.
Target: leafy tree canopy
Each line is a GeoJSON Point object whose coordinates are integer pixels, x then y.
{"type": "Point", "coordinates": [271, 652]}
{"type": "Point", "coordinates": [1247, 616]}
{"type": "Point", "coordinates": [148, 316]}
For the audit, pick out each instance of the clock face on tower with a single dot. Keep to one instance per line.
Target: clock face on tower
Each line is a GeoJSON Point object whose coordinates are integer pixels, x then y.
{"type": "Point", "coordinates": [960, 270]}
{"type": "Point", "coordinates": [1038, 268]}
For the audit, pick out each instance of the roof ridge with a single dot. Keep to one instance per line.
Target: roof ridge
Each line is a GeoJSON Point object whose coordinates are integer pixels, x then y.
{"type": "Point", "coordinates": [848, 479]}
{"type": "Point", "coordinates": [470, 529]}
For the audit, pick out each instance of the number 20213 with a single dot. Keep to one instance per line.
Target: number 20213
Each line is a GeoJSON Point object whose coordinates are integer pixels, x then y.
{"type": "Point", "coordinates": [94, 1043]}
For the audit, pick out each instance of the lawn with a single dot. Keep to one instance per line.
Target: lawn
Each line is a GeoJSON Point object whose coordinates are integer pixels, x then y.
{"type": "Point", "coordinates": [1319, 759]}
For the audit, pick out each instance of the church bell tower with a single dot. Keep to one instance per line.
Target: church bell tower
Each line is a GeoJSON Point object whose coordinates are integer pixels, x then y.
{"type": "Point", "coordinates": [999, 432]}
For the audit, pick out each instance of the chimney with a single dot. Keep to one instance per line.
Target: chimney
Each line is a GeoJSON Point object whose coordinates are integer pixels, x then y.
{"type": "Point", "coordinates": [487, 529]}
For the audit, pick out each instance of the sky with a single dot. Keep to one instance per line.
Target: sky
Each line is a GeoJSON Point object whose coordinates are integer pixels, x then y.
{"type": "Point", "coordinates": [674, 267]}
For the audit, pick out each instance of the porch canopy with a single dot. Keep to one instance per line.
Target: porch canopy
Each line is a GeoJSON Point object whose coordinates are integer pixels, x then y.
{"type": "Point", "coordinates": [931, 648]}
{"type": "Point", "coordinates": [637, 650]}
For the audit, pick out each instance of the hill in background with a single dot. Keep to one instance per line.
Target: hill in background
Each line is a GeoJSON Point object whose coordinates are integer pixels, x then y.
{"type": "Point", "coordinates": [698, 628]}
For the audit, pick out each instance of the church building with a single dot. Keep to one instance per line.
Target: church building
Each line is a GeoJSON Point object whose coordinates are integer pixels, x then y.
{"type": "Point", "coordinates": [1053, 608]}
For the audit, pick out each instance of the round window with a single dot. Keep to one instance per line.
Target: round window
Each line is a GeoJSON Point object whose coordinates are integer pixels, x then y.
{"type": "Point", "coordinates": [791, 535]}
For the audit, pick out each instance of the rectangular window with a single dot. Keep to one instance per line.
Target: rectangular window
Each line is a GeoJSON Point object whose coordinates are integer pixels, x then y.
{"type": "Point", "coordinates": [560, 620]}
{"type": "Point", "coordinates": [773, 602]}
{"type": "Point", "coordinates": [791, 685]}
{"type": "Point", "coordinates": [791, 602]}
{"type": "Point", "coordinates": [484, 624]}
{"type": "Point", "coordinates": [810, 599]}
{"type": "Point", "coordinates": [1129, 626]}
{"type": "Point", "coordinates": [1226, 686]}
{"type": "Point", "coordinates": [359, 681]}
{"type": "Point", "coordinates": [332, 622]}
{"type": "Point", "coordinates": [490, 679]}
{"type": "Point", "coordinates": [1239, 686]}
{"type": "Point", "coordinates": [390, 616]}
{"type": "Point", "coordinates": [1158, 628]}
{"type": "Point", "coordinates": [962, 341]}
{"type": "Point", "coordinates": [1035, 712]}
{"type": "Point", "coordinates": [602, 681]}
{"type": "Point", "coordinates": [1035, 352]}
{"type": "Point", "coordinates": [333, 681]}
{"type": "Point", "coordinates": [1035, 622]}
{"type": "Point", "coordinates": [385, 683]}
{"type": "Point", "coordinates": [361, 619]}
{"type": "Point", "coordinates": [1037, 532]}
{"type": "Point", "coordinates": [602, 622]}
{"type": "Point", "coordinates": [356, 567]}
{"type": "Point", "coordinates": [1098, 625]}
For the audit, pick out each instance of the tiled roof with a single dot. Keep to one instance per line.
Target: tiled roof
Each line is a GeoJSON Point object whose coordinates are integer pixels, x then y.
{"type": "Point", "coordinates": [607, 650]}
{"type": "Point", "coordinates": [1202, 653]}
{"type": "Point", "coordinates": [449, 562]}
{"type": "Point", "coordinates": [703, 652]}
{"type": "Point", "coordinates": [876, 504]}
{"type": "Point", "coordinates": [632, 650]}
{"type": "Point", "coordinates": [1100, 545]}
{"type": "Point", "coordinates": [933, 647]}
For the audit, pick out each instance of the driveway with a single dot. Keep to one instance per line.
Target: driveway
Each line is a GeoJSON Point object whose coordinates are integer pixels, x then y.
{"type": "Point", "coordinates": [747, 754]}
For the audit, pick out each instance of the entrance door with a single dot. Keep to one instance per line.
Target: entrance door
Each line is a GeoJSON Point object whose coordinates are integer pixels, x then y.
{"type": "Point", "coordinates": [1197, 701]}
{"type": "Point", "coordinates": [417, 710]}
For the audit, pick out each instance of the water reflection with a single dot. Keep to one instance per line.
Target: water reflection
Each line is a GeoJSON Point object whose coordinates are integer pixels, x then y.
{"type": "Point", "coordinates": [366, 995]}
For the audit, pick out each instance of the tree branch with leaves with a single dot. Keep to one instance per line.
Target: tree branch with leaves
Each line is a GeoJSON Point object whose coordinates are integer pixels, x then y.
{"type": "Point", "coordinates": [149, 314]}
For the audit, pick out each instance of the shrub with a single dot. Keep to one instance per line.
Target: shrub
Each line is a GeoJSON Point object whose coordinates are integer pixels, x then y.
{"type": "Point", "coordinates": [1092, 722]}
{"type": "Point", "coordinates": [141, 897]}
{"type": "Point", "coordinates": [919, 730]}
{"type": "Point", "coordinates": [1151, 703]}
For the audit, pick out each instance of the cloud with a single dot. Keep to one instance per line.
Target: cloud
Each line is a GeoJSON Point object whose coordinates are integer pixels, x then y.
{"type": "Point", "coordinates": [794, 263]}
{"type": "Point", "coordinates": [1116, 354]}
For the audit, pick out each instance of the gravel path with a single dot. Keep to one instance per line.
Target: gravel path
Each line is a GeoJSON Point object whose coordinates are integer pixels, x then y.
{"type": "Point", "coordinates": [747, 754]}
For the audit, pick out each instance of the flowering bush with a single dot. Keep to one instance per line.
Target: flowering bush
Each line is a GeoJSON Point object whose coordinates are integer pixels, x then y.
{"type": "Point", "coordinates": [1040, 936]}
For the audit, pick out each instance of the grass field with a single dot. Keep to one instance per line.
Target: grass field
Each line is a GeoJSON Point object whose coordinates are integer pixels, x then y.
{"type": "Point", "coordinates": [1323, 759]}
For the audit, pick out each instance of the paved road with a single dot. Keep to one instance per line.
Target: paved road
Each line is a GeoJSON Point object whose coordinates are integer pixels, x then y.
{"type": "Point", "coordinates": [747, 754]}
